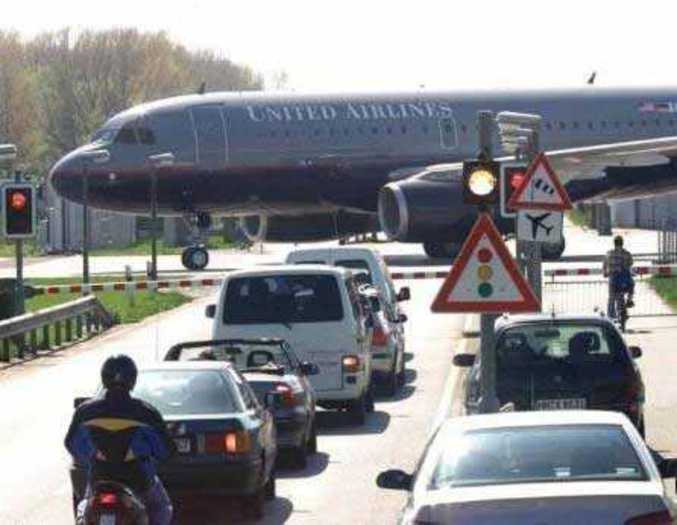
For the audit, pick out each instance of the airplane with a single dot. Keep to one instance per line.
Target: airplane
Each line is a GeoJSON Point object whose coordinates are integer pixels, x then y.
{"type": "Point", "coordinates": [298, 167]}
{"type": "Point", "coordinates": [537, 222]}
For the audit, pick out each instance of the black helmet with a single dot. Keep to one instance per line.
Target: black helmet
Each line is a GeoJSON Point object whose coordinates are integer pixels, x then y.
{"type": "Point", "coordinates": [119, 371]}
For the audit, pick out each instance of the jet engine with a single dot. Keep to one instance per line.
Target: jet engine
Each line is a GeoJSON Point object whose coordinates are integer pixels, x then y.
{"type": "Point", "coordinates": [309, 227]}
{"type": "Point", "coordinates": [416, 210]}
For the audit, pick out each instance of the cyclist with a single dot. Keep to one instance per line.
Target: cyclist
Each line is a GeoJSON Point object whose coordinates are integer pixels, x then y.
{"type": "Point", "coordinates": [119, 438]}
{"type": "Point", "coordinates": [618, 269]}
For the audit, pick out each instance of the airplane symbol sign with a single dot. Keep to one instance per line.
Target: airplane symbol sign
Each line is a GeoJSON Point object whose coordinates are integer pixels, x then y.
{"type": "Point", "coordinates": [539, 226]}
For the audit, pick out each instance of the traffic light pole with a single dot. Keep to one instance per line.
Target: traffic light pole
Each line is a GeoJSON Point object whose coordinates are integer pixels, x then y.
{"type": "Point", "coordinates": [532, 250]}
{"type": "Point", "coordinates": [488, 402]}
{"type": "Point", "coordinates": [19, 250]}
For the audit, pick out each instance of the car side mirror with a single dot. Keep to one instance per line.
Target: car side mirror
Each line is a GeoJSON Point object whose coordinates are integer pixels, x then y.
{"type": "Point", "coordinates": [668, 467]}
{"type": "Point", "coordinates": [79, 401]}
{"type": "Point", "coordinates": [402, 318]}
{"type": "Point", "coordinates": [404, 294]}
{"type": "Point", "coordinates": [272, 400]}
{"type": "Point", "coordinates": [464, 360]}
{"type": "Point", "coordinates": [309, 369]}
{"type": "Point", "coordinates": [394, 479]}
{"type": "Point", "coordinates": [635, 352]}
{"type": "Point", "coordinates": [210, 311]}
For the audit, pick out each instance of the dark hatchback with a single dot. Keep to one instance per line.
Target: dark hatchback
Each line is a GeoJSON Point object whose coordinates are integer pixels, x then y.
{"type": "Point", "coordinates": [563, 362]}
{"type": "Point", "coordinates": [270, 366]}
{"type": "Point", "coordinates": [225, 439]}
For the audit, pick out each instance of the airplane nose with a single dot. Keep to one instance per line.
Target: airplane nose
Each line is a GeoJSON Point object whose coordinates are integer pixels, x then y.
{"type": "Point", "coordinates": [66, 177]}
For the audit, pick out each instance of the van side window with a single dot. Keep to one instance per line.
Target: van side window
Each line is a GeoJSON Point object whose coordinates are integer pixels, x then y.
{"type": "Point", "coordinates": [354, 297]}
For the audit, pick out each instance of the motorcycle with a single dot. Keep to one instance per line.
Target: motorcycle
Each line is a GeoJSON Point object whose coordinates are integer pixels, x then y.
{"type": "Point", "coordinates": [111, 503]}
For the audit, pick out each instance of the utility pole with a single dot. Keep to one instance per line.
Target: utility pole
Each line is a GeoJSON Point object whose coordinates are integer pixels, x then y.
{"type": "Point", "coordinates": [489, 402]}
{"type": "Point", "coordinates": [157, 162]}
{"type": "Point", "coordinates": [533, 249]}
{"type": "Point", "coordinates": [20, 296]}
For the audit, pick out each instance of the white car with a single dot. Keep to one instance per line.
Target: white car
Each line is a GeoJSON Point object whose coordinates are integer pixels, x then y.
{"type": "Point", "coordinates": [317, 309]}
{"type": "Point", "coordinates": [387, 343]}
{"type": "Point", "coordinates": [548, 468]}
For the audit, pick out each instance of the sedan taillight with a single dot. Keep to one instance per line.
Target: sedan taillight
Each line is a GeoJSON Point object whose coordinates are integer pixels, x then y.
{"type": "Point", "coordinates": [661, 517]}
{"type": "Point", "coordinates": [351, 364]}
{"type": "Point", "coordinates": [236, 442]}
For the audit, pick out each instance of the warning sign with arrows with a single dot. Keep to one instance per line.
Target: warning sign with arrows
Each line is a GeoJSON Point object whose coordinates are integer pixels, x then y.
{"type": "Point", "coordinates": [485, 277]}
{"type": "Point", "coordinates": [541, 189]}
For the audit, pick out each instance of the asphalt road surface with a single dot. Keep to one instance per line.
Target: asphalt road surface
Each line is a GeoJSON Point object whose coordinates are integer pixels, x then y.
{"type": "Point", "coordinates": [336, 487]}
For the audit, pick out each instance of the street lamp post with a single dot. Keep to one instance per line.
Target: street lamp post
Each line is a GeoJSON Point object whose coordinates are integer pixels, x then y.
{"type": "Point", "coordinates": [100, 156]}
{"type": "Point", "coordinates": [157, 162]}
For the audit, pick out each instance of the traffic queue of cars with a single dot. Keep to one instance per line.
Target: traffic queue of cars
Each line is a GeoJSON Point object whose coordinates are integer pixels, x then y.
{"type": "Point", "coordinates": [318, 331]}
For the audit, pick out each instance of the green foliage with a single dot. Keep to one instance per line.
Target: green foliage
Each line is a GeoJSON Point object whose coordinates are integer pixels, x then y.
{"type": "Point", "coordinates": [666, 288]}
{"type": "Point", "coordinates": [57, 88]}
{"type": "Point", "coordinates": [579, 217]}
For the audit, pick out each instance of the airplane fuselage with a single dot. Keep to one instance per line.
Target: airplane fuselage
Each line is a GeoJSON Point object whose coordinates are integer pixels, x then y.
{"type": "Point", "coordinates": [244, 153]}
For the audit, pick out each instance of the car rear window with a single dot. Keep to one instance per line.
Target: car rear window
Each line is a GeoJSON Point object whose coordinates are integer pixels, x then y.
{"type": "Point", "coordinates": [537, 454]}
{"type": "Point", "coordinates": [575, 343]}
{"type": "Point", "coordinates": [284, 298]}
{"type": "Point", "coordinates": [357, 264]}
{"type": "Point", "coordinates": [186, 392]}
{"type": "Point", "coordinates": [241, 355]}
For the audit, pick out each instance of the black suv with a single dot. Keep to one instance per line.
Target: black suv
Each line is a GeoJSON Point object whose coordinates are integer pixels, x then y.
{"type": "Point", "coordinates": [561, 362]}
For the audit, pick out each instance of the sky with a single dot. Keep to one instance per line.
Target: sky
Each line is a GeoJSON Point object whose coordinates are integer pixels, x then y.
{"type": "Point", "coordinates": [370, 45]}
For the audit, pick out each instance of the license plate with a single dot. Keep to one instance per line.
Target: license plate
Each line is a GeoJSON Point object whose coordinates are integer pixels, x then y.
{"type": "Point", "coordinates": [560, 404]}
{"type": "Point", "coordinates": [107, 519]}
{"type": "Point", "coordinates": [182, 445]}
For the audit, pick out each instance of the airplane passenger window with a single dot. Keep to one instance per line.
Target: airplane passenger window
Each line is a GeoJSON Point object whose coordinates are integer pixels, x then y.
{"type": "Point", "coordinates": [346, 131]}
{"type": "Point", "coordinates": [644, 123]}
{"type": "Point", "coordinates": [671, 122]}
{"type": "Point", "coordinates": [603, 123]}
{"type": "Point", "coordinates": [591, 125]}
{"type": "Point", "coordinates": [575, 125]}
{"type": "Point", "coordinates": [658, 122]}
{"type": "Point", "coordinates": [548, 126]}
{"type": "Point", "coordinates": [374, 130]}
{"type": "Point", "coordinates": [389, 131]}
{"type": "Point", "coordinates": [562, 125]}
{"type": "Point", "coordinates": [464, 128]}
{"type": "Point", "coordinates": [631, 124]}
{"type": "Point", "coordinates": [403, 129]}
{"type": "Point", "coordinates": [425, 129]}
{"type": "Point", "coordinates": [617, 124]}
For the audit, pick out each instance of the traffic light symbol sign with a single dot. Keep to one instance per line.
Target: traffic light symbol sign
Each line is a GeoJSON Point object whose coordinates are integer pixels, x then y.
{"type": "Point", "coordinates": [485, 277]}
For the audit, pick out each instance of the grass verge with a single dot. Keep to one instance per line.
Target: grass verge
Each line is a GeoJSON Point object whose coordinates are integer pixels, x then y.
{"type": "Point", "coordinates": [145, 304]}
{"type": "Point", "coordinates": [666, 288]}
{"type": "Point", "coordinates": [578, 217]}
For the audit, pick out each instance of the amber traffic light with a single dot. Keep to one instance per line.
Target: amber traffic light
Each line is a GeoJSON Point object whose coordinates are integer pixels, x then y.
{"type": "Point", "coordinates": [480, 182]}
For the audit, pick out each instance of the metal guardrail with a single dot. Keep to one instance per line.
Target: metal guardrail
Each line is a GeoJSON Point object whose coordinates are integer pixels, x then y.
{"type": "Point", "coordinates": [52, 327]}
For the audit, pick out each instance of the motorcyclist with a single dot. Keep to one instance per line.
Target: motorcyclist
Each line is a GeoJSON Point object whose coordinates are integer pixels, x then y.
{"type": "Point", "coordinates": [117, 437]}
{"type": "Point", "coordinates": [617, 268]}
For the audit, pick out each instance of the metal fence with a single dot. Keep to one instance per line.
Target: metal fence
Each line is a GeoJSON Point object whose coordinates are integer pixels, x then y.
{"type": "Point", "coordinates": [588, 296]}
{"type": "Point", "coordinates": [52, 328]}
{"type": "Point", "coordinates": [667, 242]}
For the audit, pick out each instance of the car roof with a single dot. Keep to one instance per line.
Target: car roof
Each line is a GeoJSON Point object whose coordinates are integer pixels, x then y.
{"type": "Point", "coordinates": [533, 419]}
{"type": "Point", "coordinates": [343, 250]}
{"type": "Point", "coordinates": [508, 320]}
{"type": "Point", "coordinates": [291, 269]}
{"type": "Point", "coordinates": [186, 365]}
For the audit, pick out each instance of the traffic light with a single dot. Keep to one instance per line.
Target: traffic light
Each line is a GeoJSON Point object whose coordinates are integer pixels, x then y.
{"type": "Point", "coordinates": [484, 273]}
{"type": "Point", "coordinates": [480, 182]}
{"type": "Point", "coordinates": [512, 176]}
{"type": "Point", "coordinates": [18, 202]}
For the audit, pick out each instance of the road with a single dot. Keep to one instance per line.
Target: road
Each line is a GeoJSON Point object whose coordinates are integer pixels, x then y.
{"type": "Point", "coordinates": [336, 487]}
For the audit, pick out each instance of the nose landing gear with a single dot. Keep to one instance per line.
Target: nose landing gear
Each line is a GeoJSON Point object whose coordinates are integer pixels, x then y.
{"type": "Point", "coordinates": [196, 257]}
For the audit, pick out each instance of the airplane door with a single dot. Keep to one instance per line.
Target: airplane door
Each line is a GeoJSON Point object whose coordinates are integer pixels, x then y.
{"type": "Point", "coordinates": [448, 137]}
{"type": "Point", "coordinates": [211, 137]}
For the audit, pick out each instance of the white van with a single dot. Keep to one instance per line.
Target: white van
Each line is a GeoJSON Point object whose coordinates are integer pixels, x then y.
{"type": "Point", "coordinates": [388, 366]}
{"type": "Point", "coordinates": [317, 310]}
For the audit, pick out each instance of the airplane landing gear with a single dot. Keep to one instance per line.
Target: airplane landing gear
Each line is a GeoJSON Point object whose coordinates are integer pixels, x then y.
{"type": "Point", "coordinates": [196, 257]}
{"type": "Point", "coordinates": [442, 250]}
{"type": "Point", "coordinates": [553, 252]}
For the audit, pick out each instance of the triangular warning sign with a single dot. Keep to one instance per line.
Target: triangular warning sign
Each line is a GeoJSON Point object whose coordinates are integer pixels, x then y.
{"type": "Point", "coordinates": [541, 189]}
{"type": "Point", "coordinates": [485, 277]}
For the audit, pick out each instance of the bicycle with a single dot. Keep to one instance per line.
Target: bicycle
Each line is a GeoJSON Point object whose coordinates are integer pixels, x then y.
{"type": "Point", "coordinates": [621, 309]}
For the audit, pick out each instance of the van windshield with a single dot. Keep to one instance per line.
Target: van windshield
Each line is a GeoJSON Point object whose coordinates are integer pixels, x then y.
{"type": "Point", "coordinates": [294, 298]}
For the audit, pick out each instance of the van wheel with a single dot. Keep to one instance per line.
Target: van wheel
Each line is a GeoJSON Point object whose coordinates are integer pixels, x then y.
{"type": "Point", "coordinates": [300, 456]}
{"type": "Point", "coordinates": [393, 382]}
{"type": "Point", "coordinates": [269, 488]}
{"type": "Point", "coordinates": [369, 398]}
{"type": "Point", "coordinates": [252, 506]}
{"type": "Point", "coordinates": [358, 410]}
{"type": "Point", "coordinates": [312, 441]}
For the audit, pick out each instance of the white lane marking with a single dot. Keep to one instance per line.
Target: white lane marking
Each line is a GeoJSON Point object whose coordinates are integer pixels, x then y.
{"type": "Point", "coordinates": [446, 401]}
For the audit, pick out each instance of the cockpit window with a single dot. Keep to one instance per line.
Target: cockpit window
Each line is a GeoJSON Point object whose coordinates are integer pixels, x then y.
{"type": "Point", "coordinates": [126, 135]}
{"type": "Point", "coordinates": [104, 136]}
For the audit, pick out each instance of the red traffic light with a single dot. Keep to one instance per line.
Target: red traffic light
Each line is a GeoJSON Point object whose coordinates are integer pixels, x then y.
{"type": "Point", "coordinates": [18, 201]}
{"type": "Point", "coordinates": [516, 179]}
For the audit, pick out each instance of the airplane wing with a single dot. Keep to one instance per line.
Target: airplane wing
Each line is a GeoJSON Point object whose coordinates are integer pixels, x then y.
{"type": "Point", "coordinates": [584, 162]}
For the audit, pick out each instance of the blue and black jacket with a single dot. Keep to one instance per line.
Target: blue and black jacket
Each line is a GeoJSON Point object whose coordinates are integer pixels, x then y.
{"type": "Point", "coordinates": [118, 438]}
